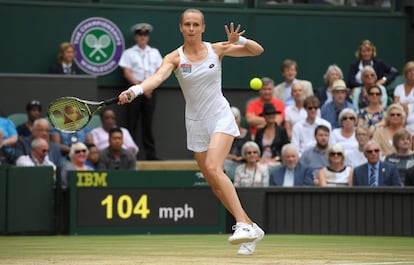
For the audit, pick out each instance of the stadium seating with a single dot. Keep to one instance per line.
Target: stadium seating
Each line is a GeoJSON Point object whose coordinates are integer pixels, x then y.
{"type": "Point", "coordinates": [18, 118]}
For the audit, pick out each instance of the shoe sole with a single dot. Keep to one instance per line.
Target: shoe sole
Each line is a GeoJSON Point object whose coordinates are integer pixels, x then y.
{"type": "Point", "coordinates": [242, 240]}
{"type": "Point", "coordinates": [258, 239]}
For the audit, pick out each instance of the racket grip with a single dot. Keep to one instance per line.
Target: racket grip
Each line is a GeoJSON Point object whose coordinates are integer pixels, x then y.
{"type": "Point", "coordinates": [111, 101]}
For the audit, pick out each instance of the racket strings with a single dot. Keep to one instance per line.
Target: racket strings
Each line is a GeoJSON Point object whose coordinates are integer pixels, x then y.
{"type": "Point", "coordinates": [69, 114]}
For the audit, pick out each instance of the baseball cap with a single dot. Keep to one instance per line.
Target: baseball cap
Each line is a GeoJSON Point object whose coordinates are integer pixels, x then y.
{"type": "Point", "coordinates": [33, 103]}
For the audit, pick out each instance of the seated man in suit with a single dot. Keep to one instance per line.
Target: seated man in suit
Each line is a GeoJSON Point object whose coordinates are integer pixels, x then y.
{"type": "Point", "coordinates": [283, 90]}
{"type": "Point", "coordinates": [375, 172]}
{"type": "Point", "coordinates": [291, 173]}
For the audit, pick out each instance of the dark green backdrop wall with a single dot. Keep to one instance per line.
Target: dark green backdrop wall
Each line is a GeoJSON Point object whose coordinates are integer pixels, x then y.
{"type": "Point", "coordinates": [315, 38]}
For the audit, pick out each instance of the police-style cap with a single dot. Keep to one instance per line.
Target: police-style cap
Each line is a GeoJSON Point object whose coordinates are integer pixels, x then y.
{"type": "Point", "coordinates": [141, 28]}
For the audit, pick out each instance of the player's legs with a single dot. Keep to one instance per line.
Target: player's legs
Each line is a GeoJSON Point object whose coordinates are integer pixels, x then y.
{"type": "Point", "coordinates": [211, 165]}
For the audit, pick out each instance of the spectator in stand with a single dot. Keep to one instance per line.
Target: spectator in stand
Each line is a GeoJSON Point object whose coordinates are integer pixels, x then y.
{"type": "Point", "coordinates": [336, 174]}
{"type": "Point", "coordinates": [295, 112]}
{"type": "Point", "coordinates": [404, 157]}
{"type": "Point", "coordinates": [360, 97]}
{"type": "Point", "coordinates": [255, 107]}
{"type": "Point", "coordinates": [404, 95]}
{"type": "Point", "coordinates": [345, 135]}
{"type": "Point", "coordinates": [332, 74]}
{"type": "Point", "coordinates": [77, 155]}
{"type": "Point", "coordinates": [5, 157]}
{"type": "Point", "coordinates": [101, 134]}
{"type": "Point", "coordinates": [251, 173]}
{"type": "Point", "coordinates": [315, 157]}
{"type": "Point", "coordinates": [291, 172]}
{"type": "Point", "coordinates": [40, 130]}
{"type": "Point", "coordinates": [372, 116]}
{"type": "Point", "coordinates": [115, 157]}
{"type": "Point", "coordinates": [356, 157]}
{"type": "Point", "coordinates": [38, 156]}
{"type": "Point", "coordinates": [235, 157]}
{"type": "Point", "coordinates": [33, 110]}
{"type": "Point", "coordinates": [65, 61]}
{"type": "Point", "coordinates": [271, 138]}
{"type": "Point", "coordinates": [330, 110]}
{"type": "Point", "coordinates": [283, 90]}
{"type": "Point", "coordinates": [303, 133]}
{"type": "Point", "coordinates": [375, 172]}
{"type": "Point", "coordinates": [93, 156]}
{"type": "Point", "coordinates": [10, 137]}
{"type": "Point", "coordinates": [394, 120]}
{"type": "Point", "coordinates": [65, 139]}
{"type": "Point", "coordinates": [366, 55]}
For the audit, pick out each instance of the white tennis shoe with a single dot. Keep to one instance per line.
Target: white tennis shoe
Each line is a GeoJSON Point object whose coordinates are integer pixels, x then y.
{"type": "Point", "coordinates": [249, 247]}
{"type": "Point", "coordinates": [243, 233]}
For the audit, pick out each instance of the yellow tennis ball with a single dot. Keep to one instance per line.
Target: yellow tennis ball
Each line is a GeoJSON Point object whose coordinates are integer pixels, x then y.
{"type": "Point", "coordinates": [256, 83]}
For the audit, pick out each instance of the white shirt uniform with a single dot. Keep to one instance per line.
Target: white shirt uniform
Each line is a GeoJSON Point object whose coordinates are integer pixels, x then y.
{"type": "Point", "coordinates": [207, 110]}
{"type": "Point", "coordinates": [143, 63]}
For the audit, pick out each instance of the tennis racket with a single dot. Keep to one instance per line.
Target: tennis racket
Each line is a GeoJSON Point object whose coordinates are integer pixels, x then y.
{"type": "Point", "coordinates": [71, 114]}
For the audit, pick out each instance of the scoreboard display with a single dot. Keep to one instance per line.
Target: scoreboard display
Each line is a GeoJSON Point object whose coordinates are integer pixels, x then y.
{"type": "Point", "coordinates": [124, 202]}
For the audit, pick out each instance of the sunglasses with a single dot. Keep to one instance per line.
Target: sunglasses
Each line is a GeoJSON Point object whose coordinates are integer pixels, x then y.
{"type": "Point", "coordinates": [348, 118]}
{"type": "Point", "coordinates": [374, 94]}
{"type": "Point", "coordinates": [80, 151]}
{"type": "Point", "coordinates": [44, 151]}
{"type": "Point", "coordinates": [311, 108]}
{"type": "Point", "coordinates": [251, 152]}
{"type": "Point", "coordinates": [395, 114]}
{"type": "Point", "coordinates": [369, 75]}
{"type": "Point", "coordinates": [372, 151]}
{"type": "Point", "coordinates": [335, 154]}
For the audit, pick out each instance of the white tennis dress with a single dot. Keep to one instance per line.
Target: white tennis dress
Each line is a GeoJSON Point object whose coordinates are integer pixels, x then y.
{"type": "Point", "coordinates": [207, 110]}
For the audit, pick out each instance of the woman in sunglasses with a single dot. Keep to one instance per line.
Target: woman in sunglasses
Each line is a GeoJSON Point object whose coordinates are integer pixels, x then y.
{"type": "Point", "coordinates": [404, 94]}
{"type": "Point", "coordinates": [372, 115]}
{"type": "Point", "coordinates": [394, 120]}
{"type": "Point", "coordinates": [360, 94]}
{"type": "Point", "coordinates": [345, 135]}
{"type": "Point", "coordinates": [78, 154]}
{"type": "Point", "coordinates": [336, 174]}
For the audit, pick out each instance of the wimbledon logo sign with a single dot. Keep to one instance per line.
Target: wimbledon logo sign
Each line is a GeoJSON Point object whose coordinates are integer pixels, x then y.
{"type": "Point", "coordinates": [99, 45]}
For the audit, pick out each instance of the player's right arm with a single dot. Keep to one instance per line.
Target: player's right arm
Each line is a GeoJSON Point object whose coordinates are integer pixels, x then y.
{"type": "Point", "coordinates": [169, 63]}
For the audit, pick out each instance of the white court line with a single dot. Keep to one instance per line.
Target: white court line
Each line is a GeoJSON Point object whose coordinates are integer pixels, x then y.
{"type": "Point", "coordinates": [379, 263]}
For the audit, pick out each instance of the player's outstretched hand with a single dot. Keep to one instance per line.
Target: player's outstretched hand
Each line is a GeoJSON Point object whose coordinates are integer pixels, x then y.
{"type": "Point", "coordinates": [126, 96]}
{"type": "Point", "coordinates": [233, 34]}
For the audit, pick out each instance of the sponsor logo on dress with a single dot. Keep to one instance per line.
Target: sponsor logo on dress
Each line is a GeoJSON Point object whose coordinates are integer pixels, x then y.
{"type": "Point", "coordinates": [99, 44]}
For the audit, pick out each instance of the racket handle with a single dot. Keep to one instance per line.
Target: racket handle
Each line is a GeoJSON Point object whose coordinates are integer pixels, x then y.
{"type": "Point", "coordinates": [111, 101]}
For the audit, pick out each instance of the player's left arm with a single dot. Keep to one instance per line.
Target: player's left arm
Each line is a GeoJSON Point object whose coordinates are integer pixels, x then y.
{"type": "Point", "coordinates": [237, 45]}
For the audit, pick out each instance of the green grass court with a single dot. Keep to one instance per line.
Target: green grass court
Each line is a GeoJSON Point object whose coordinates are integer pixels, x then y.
{"type": "Point", "coordinates": [204, 249]}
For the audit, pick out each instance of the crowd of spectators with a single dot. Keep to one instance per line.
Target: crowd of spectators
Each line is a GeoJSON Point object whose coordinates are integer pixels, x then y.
{"type": "Point", "coordinates": [353, 132]}
{"type": "Point", "coordinates": [296, 134]}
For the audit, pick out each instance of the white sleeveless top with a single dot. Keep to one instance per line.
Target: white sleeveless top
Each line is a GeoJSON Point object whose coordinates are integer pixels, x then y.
{"type": "Point", "coordinates": [337, 179]}
{"type": "Point", "coordinates": [201, 85]}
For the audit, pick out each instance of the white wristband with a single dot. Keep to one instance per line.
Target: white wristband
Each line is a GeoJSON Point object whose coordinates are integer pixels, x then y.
{"type": "Point", "coordinates": [242, 41]}
{"type": "Point", "coordinates": [137, 89]}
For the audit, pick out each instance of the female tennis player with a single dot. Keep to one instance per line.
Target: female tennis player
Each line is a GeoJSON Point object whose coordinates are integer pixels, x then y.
{"type": "Point", "coordinates": [210, 124]}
